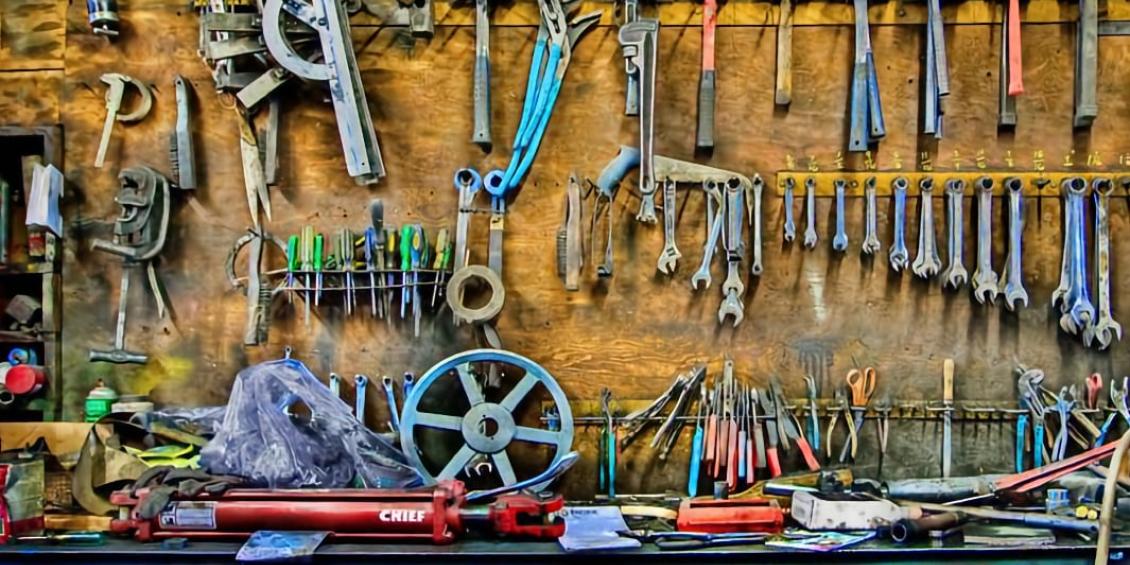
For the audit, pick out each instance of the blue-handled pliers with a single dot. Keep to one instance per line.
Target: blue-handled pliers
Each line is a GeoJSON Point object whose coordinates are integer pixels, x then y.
{"type": "Point", "coordinates": [1064, 403]}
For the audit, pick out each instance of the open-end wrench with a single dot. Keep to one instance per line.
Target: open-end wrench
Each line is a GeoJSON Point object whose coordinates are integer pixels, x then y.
{"type": "Point", "coordinates": [790, 225]}
{"type": "Point", "coordinates": [753, 213]}
{"type": "Point", "coordinates": [984, 278]}
{"type": "Point", "coordinates": [810, 213]}
{"type": "Point", "coordinates": [669, 258]}
{"type": "Point", "coordinates": [840, 239]}
{"type": "Point", "coordinates": [733, 287]}
{"type": "Point", "coordinates": [639, 44]}
{"type": "Point", "coordinates": [955, 274]}
{"type": "Point", "coordinates": [1077, 310]}
{"type": "Point", "coordinates": [926, 263]}
{"type": "Point", "coordinates": [1064, 287]}
{"type": "Point", "coordinates": [871, 243]}
{"type": "Point", "coordinates": [1012, 277]}
{"type": "Point", "coordinates": [714, 211]}
{"type": "Point", "coordinates": [1104, 328]}
{"type": "Point", "coordinates": [898, 254]}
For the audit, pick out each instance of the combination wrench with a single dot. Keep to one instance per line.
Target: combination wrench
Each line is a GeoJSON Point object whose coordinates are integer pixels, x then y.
{"type": "Point", "coordinates": [733, 288]}
{"type": "Point", "coordinates": [955, 274]}
{"type": "Point", "coordinates": [926, 263]}
{"type": "Point", "coordinates": [1104, 328]}
{"type": "Point", "coordinates": [669, 258]}
{"type": "Point", "coordinates": [840, 239]}
{"type": "Point", "coordinates": [1012, 277]}
{"type": "Point", "coordinates": [639, 44]}
{"type": "Point", "coordinates": [753, 214]}
{"type": "Point", "coordinates": [1076, 308]}
{"type": "Point", "coordinates": [871, 243]}
{"type": "Point", "coordinates": [810, 212]}
{"type": "Point", "coordinates": [898, 255]}
{"type": "Point", "coordinates": [984, 278]}
{"type": "Point", "coordinates": [714, 217]}
{"type": "Point", "coordinates": [790, 225]}
{"type": "Point", "coordinates": [1061, 291]}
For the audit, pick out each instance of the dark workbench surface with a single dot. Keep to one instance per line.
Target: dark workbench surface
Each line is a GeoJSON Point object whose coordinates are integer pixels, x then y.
{"type": "Point", "coordinates": [125, 551]}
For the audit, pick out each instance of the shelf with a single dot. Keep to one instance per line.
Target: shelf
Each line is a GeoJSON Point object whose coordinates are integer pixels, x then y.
{"type": "Point", "coordinates": [27, 269]}
{"type": "Point", "coordinates": [10, 336]}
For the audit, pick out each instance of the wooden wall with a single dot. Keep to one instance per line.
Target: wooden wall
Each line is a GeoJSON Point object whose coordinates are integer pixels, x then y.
{"type": "Point", "coordinates": [636, 332]}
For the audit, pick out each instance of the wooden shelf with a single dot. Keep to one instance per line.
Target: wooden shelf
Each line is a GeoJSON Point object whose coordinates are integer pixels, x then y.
{"type": "Point", "coordinates": [9, 336]}
{"type": "Point", "coordinates": [27, 269]}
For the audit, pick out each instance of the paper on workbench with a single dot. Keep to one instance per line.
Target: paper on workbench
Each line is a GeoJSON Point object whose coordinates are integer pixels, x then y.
{"type": "Point", "coordinates": [589, 528]}
{"type": "Point", "coordinates": [43, 199]}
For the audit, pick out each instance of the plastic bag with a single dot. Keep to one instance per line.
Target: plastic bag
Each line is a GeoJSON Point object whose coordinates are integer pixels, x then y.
{"type": "Point", "coordinates": [284, 429]}
{"type": "Point", "coordinates": [199, 420]}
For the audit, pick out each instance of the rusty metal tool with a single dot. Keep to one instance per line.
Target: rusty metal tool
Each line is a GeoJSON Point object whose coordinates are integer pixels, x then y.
{"type": "Point", "coordinates": [181, 152]}
{"type": "Point", "coordinates": [116, 89]}
{"type": "Point", "coordinates": [1102, 329]}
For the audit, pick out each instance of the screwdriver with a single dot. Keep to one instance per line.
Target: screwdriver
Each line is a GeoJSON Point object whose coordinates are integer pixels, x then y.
{"type": "Point", "coordinates": [291, 265]}
{"type": "Point", "coordinates": [319, 246]}
{"type": "Point", "coordinates": [307, 265]}
{"type": "Point", "coordinates": [389, 266]}
{"type": "Point", "coordinates": [370, 243]}
{"type": "Point", "coordinates": [405, 263]}
{"type": "Point", "coordinates": [345, 257]}
{"type": "Point", "coordinates": [443, 257]}
{"type": "Point", "coordinates": [419, 257]}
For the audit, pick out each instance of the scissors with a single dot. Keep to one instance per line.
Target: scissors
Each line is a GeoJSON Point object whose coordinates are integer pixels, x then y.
{"type": "Point", "coordinates": [1064, 403]}
{"type": "Point", "coordinates": [861, 383]}
{"type": "Point", "coordinates": [1094, 386]}
{"type": "Point", "coordinates": [676, 541]}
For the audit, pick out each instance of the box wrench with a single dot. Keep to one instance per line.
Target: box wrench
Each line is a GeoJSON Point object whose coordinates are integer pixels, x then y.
{"type": "Point", "coordinates": [1060, 293]}
{"type": "Point", "coordinates": [639, 44]}
{"type": "Point", "coordinates": [1012, 276]}
{"type": "Point", "coordinates": [810, 213]}
{"type": "Point", "coordinates": [840, 239]}
{"type": "Point", "coordinates": [954, 274]}
{"type": "Point", "coordinates": [1077, 309]}
{"type": "Point", "coordinates": [790, 224]}
{"type": "Point", "coordinates": [898, 255]}
{"type": "Point", "coordinates": [984, 279]}
{"type": "Point", "coordinates": [871, 243]}
{"type": "Point", "coordinates": [753, 215]}
{"type": "Point", "coordinates": [714, 209]}
{"type": "Point", "coordinates": [733, 287]}
{"type": "Point", "coordinates": [1104, 328]}
{"type": "Point", "coordinates": [704, 133]}
{"type": "Point", "coordinates": [926, 262]}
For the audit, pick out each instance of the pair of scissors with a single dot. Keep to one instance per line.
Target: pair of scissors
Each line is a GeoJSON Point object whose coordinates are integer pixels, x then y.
{"type": "Point", "coordinates": [861, 383]}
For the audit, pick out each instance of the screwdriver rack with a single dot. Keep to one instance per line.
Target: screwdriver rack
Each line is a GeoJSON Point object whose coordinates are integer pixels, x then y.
{"type": "Point", "coordinates": [1036, 184]}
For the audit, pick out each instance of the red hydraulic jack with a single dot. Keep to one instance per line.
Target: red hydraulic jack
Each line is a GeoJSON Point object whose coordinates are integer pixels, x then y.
{"type": "Point", "coordinates": [439, 514]}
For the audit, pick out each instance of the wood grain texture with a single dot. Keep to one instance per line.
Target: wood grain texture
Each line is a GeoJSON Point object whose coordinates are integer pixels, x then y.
{"type": "Point", "coordinates": [32, 34]}
{"type": "Point", "coordinates": [810, 312]}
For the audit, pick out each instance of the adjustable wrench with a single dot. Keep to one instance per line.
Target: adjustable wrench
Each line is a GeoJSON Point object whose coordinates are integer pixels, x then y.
{"type": "Point", "coordinates": [733, 288]}
{"type": "Point", "coordinates": [871, 243]}
{"type": "Point", "coordinates": [790, 225]}
{"type": "Point", "coordinates": [984, 278]}
{"type": "Point", "coordinates": [810, 212]}
{"type": "Point", "coordinates": [669, 257]}
{"type": "Point", "coordinates": [840, 240]}
{"type": "Point", "coordinates": [1077, 309]}
{"type": "Point", "coordinates": [926, 263]}
{"type": "Point", "coordinates": [1104, 328]}
{"type": "Point", "coordinates": [639, 44]}
{"type": "Point", "coordinates": [955, 274]}
{"type": "Point", "coordinates": [714, 209]}
{"type": "Point", "coordinates": [1012, 277]}
{"type": "Point", "coordinates": [898, 254]}
{"type": "Point", "coordinates": [753, 212]}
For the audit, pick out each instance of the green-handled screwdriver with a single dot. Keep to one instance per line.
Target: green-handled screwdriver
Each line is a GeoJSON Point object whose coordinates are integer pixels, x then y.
{"type": "Point", "coordinates": [319, 247]}
{"type": "Point", "coordinates": [443, 258]}
{"type": "Point", "coordinates": [307, 266]}
{"type": "Point", "coordinates": [419, 255]}
{"type": "Point", "coordinates": [406, 234]}
{"type": "Point", "coordinates": [291, 265]}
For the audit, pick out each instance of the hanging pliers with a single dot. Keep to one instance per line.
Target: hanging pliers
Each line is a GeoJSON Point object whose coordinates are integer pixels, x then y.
{"type": "Point", "coordinates": [813, 413]}
{"type": "Point", "coordinates": [1064, 403]}
{"type": "Point", "coordinates": [840, 405]}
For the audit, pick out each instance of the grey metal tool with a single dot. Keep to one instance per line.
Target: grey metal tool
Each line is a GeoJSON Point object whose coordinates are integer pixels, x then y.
{"type": "Point", "coordinates": [866, 111]}
{"type": "Point", "coordinates": [810, 213]}
{"type": "Point", "coordinates": [390, 398]}
{"type": "Point", "coordinates": [570, 244]}
{"type": "Point", "coordinates": [256, 289]}
{"type": "Point", "coordinates": [840, 239]}
{"type": "Point", "coordinates": [116, 83]}
{"type": "Point", "coordinates": [606, 187]}
{"type": "Point", "coordinates": [733, 288]}
{"type": "Point", "coordinates": [1006, 115]}
{"type": "Point", "coordinates": [954, 274]}
{"type": "Point", "coordinates": [926, 262]}
{"type": "Point", "coordinates": [937, 69]}
{"type": "Point", "coordinates": [753, 214]}
{"type": "Point", "coordinates": [269, 142]}
{"type": "Point", "coordinates": [1012, 277]}
{"type": "Point", "coordinates": [714, 218]}
{"type": "Point", "coordinates": [947, 416]}
{"type": "Point", "coordinates": [871, 243]}
{"type": "Point", "coordinates": [783, 89]}
{"type": "Point", "coordinates": [339, 68]}
{"type": "Point", "coordinates": [335, 384]}
{"type": "Point", "coordinates": [481, 135]}
{"type": "Point", "coordinates": [639, 43]}
{"type": "Point", "coordinates": [704, 132]}
{"type": "Point", "coordinates": [1103, 330]}
{"type": "Point", "coordinates": [899, 256]}
{"type": "Point", "coordinates": [361, 383]}
{"type": "Point", "coordinates": [1077, 310]}
{"type": "Point", "coordinates": [790, 224]}
{"type": "Point", "coordinates": [254, 176]}
{"type": "Point", "coordinates": [984, 279]}
{"type": "Point", "coordinates": [669, 257]}
{"type": "Point", "coordinates": [1086, 64]}
{"type": "Point", "coordinates": [1060, 291]}
{"type": "Point", "coordinates": [181, 151]}
{"type": "Point", "coordinates": [632, 92]}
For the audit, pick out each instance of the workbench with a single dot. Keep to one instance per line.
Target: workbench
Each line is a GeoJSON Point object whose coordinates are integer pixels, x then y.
{"type": "Point", "coordinates": [1067, 551]}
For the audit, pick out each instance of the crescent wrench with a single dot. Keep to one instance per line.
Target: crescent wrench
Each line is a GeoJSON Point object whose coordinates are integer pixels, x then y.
{"type": "Point", "coordinates": [669, 258]}
{"type": "Point", "coordinates": [714, 209]}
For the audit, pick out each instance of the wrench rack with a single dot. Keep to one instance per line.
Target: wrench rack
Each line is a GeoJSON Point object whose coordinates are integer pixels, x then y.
{"type": "Point", "coordinates": [1036, 184]}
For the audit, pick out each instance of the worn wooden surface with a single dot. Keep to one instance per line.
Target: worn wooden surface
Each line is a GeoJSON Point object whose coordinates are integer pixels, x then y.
{"type": "Point", "coordinates": [811, 311]}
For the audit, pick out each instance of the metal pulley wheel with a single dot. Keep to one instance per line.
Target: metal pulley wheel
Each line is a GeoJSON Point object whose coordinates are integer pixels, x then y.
{"type": "Point", "coordinates": [488, 426]}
